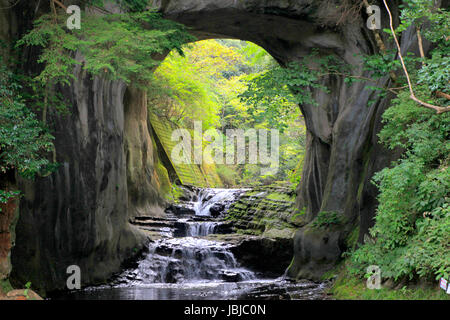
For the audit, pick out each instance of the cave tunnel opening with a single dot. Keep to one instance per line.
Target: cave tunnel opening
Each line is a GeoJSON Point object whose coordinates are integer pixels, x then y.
{"type": "Point", "coordinates": [216, 93]}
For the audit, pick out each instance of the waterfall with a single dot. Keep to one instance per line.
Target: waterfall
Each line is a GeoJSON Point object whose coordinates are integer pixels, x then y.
{"type": "Point", "coordinates": [200, 229]}
{"type": "Point", "coordinates": [209, 197]}
{"type": "Point", "coordinates": [179, 260]}
{"type": "Point", "coordinates": [182, 264]}
{"type": "Point", "coordinates": [186, 257]}
{"type": "Point", "coordinates": [221, 199]}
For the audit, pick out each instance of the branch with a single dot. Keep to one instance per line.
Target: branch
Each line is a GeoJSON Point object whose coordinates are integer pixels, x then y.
{"type": "Point", "coordinates": [438, 109]}
{"type": "Point", "coordinates": [55, 16]}
{"type": "Point", "coordinates": [443, 95]}
{"type": "Point", "coordinates": [419, 40]}
{"type": "Point", "coordinates": [60, 4]}
{"type": "Point", "coordinates": [362, 78]}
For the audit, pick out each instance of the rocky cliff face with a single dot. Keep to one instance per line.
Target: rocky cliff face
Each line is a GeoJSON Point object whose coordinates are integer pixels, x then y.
{"type": "Point", "coordinates": [141, 158]}
{"type": "Point", "coordinates": [79, 215]}
{"type": "Point", "coordinates": [8, 219]}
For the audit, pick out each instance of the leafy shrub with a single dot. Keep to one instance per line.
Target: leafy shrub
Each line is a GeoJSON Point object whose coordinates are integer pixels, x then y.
{"type": "Point", "coordinates": [227, 175]}
{"type": "Point", "coordinates": [23, 138]}
{"type": "Point", "coordinates": [327, 219]}
{"type": "Point", "coordinates": [412, 229]}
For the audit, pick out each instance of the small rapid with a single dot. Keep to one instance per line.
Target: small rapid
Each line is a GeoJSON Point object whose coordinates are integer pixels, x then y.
{"type": "Point", "coordinates": [182, 262]}
{"type": "Point", "coordinates": [208, 198]}
{"type": "Point", "coordinates": [187, 256]}
{"type": "Point", "coordinates": [187, 259]}
{"type": "Point", "coordinates": [200, 229]}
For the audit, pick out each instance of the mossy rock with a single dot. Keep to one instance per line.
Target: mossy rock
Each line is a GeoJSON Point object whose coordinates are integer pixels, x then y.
{"type": "Point", "coordinates": [349, 287]}
{"type": "Point", "coordinates": [5, 287]}
{"type": "Point", "coordinates": [352, 238]}
{"type": "Point", "coordinates": [263, 209]}
{"type": "Point", "coordinates": [286, 233]}
{"type": "Point", "coordinates": [280, 197]}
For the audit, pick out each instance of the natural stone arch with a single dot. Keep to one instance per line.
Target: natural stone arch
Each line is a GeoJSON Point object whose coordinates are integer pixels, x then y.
{"type": "Point", "coordinates": [80, 215]}
{"type": "Point", "coordinates": [342, 150]}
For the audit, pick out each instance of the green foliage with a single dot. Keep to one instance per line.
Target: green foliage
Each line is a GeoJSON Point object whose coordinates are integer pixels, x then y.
{"type": "Point", "coordinates": [327, 219]}
{"type": "Point", "coordinates": [205, 84]}
{"type": "Point", "coordinates": [411, 238]}
{"type": "Point", "coordinates": [23, 138]}
{"type": "Point", "coordinates": [436, 72]}
{"type": "Point", "coordinates": [434, 22]}
{"type": "Point", "coordinates": [273, 94]}
{"type": "Point", "coordinates": [299, 213]}
{"type": "Point", "coordinates": [133, 5]}
{"type": "Point", "coordinates": [258, 60]}
{"type": "Point", "coordinates": [421, 12]}
{"type": "Point", "coordinates": [413, 217]}
{"type": "Point", "coordinates": [227, 175]}
{"type": "Point", "coordinates": [176, 192]}
{"type": "Point", "coordinates": [5, 286]}
{"type": "Point", "coordinates": [184, 88]}
{"type": "Point", "coordinates": [27, 288]}
{"type": "Point", "coordinates": [126, 5]}
{"type": "Point", "coordinates": [6, 195]}
{"type": "Point", "coordinates": [347, 287]}
{"type": "Point", "coordinates": [381, 64]}
{"type": "Point", "coordinates": [117, 46]}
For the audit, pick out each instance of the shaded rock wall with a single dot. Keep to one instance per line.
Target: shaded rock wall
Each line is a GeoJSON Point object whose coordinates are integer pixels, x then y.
{"type": "Point", "coordinates": [142, 181]}
{"type": "Point", "coordinates": [79, 214]}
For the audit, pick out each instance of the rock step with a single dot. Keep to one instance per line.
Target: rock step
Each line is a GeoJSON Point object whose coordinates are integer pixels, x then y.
{"type": "Point", "coordinates": [156, 224]}
{"type": "Point", "coordinates": [145, 218]}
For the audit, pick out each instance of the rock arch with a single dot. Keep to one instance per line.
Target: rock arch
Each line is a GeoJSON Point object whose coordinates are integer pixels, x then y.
{"type": "Point", "coordinates": [79, 215]}
{"type": "Point", "coordinates": [342, 149]}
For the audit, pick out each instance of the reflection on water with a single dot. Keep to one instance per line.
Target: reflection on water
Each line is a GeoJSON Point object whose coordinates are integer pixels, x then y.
{"type": "Point", "coordinates": [274, 289]}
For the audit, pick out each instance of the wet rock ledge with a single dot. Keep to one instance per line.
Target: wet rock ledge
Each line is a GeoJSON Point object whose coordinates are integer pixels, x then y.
{"type": "Point", "coordinates": [259, 225]}
{"type": "Point", "coordinates": [264, 220]}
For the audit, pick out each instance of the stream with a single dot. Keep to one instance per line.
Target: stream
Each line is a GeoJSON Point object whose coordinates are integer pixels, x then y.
{"type": "Point", "coordinates": [184, 264]}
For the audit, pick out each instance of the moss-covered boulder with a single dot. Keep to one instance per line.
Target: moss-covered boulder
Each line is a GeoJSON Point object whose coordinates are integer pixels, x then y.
{"type": "Point", "coordinates": [268, 211]}
{"type": "Point", "coordinates": [267, 219]}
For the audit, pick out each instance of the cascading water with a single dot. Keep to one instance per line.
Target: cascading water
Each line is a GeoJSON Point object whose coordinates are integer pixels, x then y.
{"type": "Point", "coordinates": [189, 258]}
{"type": "Point", "coordinates": [179, 260]}
{"type": "Point", "coordinates": [183, 264]}
{"type": "Point", "coordinates": [207, 198]}
{"type": "Point", "coordinates": [200, 229]}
